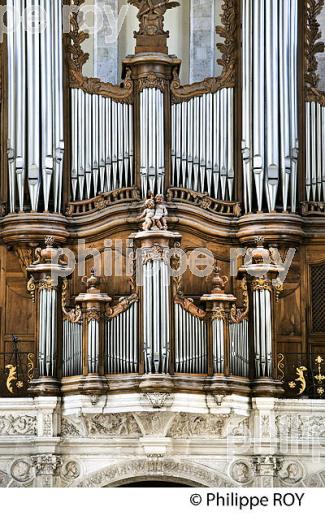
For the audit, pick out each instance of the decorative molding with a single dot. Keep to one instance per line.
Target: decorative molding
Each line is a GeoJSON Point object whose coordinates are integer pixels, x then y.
{"type": "Point", "coordinates": [17, 425]}
{"type": "Point", "coordinates": [158, 400]}
{"type": "Point", "coordinates": [156, 467]}
{"type": "Point", "coordinates": [229, 50]}
{"type": "Point", "coordinates": [85, 207]}
{"type": "Point", "coordinates": [93, 314]}
{"type": "Point", "coordinates": [151, 80]}
{"type": "Point", "coordinates": [203, 201]}
{"type": "Point", "coordinates": [219, 313]}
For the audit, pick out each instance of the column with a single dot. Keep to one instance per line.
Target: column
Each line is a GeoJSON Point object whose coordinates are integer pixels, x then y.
{"type": "Point", "coordinates": [93, 304]}
{"type": "Point", "coordinates": [46, 273]}
{"type": "Point", "coordinates": [262, 273]}
{"type": "Point", "coordinates": [153, 254]}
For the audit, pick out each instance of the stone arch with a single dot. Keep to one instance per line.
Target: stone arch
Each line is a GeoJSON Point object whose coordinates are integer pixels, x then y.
{"type": "Point", "coordinates": [138, 470]}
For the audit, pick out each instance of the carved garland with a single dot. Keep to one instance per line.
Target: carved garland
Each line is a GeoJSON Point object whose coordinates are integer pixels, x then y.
{"type": "Point", "coordinates": [229, 49]}
{"type": "Point", "coordinates": [313, 46]}
{"type": "Point", "coordinates": [76, 59]}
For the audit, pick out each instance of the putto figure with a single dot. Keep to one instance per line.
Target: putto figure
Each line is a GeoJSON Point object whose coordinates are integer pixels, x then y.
{"type": "Point", "coordinates": [161, 213]}
{"type": "Point", "coordinates": [155, 214]}
{"type": "Point", "coordinates": [148, 215]}
{"type": "Point", "coordinates": [151, 15]}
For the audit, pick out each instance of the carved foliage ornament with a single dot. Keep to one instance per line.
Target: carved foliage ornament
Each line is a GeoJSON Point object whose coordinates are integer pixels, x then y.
{"type": "Point", "coordinates": [76, 59]}
{"type": "Point", "coordinates": [229, 49]}
{"type": "Point", "coordinates": [313, 45]}
{"type": "Point", "coordinates": [151, 81]}
{"type": "Point", "coordinates": [123, 305]}
{"type": "Point", "coordinates": [73, 315]}
{"type": "Point", "coordinates": [238, 315]}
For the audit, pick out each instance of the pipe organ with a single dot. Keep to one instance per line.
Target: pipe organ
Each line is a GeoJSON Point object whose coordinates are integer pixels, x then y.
{"type": "Point", "coordinates": [270, 104]}
{"type": "Point", "coordinates": [234, 156]}
{"type": "Point", "coordinates": [190, 343]}
{"type": "Point", "coordinates": [121, 342]}
{"type": "Point", "coordinates": [152, 141]}
{"type": "Point", "coordinates": [72, 348]}
{"type": "Point", "coordinates": [203, 144]}
{"type": "Point", "coordinates": [102, 145]}
{"type": "Point", "coordinates": [35, 109]}
{"type": "Point", "coordinates": [156, 316]}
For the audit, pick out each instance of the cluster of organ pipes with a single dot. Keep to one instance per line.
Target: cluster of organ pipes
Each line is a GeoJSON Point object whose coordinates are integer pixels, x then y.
{"type": "Point", "coordinates": [35, 108]}
{"type": "Point", "coordinates": [270, 104]}
{"type": "Point", "coordinates": [72, 348]}
{"type": "Point", "coordinates": [102, 145]}
{"type": "Point", "coordinates": [315, 152]}
{"type": "Point", "coordinates": [121, 342]}
{"type": "Point", "coordinates": [191, 354]}
{"type": "Point", "coordinates": [156, 316]}
{"type": "Point", "coordinates": [152, 141]}
{"type": "Point", "coordinates": [203, 144]}
{"type": "Point", "coordinates": [239, 348]}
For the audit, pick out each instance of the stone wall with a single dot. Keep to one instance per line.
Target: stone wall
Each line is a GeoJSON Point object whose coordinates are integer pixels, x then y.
{"type": "Point", "coordinates": [88, 442]}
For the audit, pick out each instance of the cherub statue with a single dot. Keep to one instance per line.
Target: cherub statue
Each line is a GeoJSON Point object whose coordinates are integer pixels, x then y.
{"type": "Point", "coordinates": [148, 215]}
{"type": "Point", "coordinates": [150, 10]}
{"type": "Point", "coordinates": [161, 213]}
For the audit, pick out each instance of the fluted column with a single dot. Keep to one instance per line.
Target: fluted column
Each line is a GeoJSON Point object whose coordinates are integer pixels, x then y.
{"type": "Point", "coordinates": [93, 304]}
{"type": "Point", "coordinates": [45, 285]}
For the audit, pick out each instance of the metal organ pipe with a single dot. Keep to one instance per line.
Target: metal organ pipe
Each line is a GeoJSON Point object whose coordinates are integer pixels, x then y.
{"type": "Point", "coordinates": [102, 145]}
{"type": "Point", "coordinates": [239, 349]}
{"type": "Point", "coordinates": [270, 107]}
{"type": "Point", "coordinates": [191, 355]}
{"type": "Point", "coordinates": [35, 96]}
{"type": "Point", "coordinates": [121, 342]}
{"type": "Point", "coordinates": [315, 155]}
{"type": "Point", "coordinates": [47, 339]}
{"type": "Point", "coordinates": [203, 144]}
{"type": "Point", "coordinates": [72, 349]}
{"type": "Point", "coordinates": [152, 140]}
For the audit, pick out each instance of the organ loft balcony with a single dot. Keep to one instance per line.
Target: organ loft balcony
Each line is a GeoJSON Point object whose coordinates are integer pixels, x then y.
{"type": "Point", "coordinates": [162, 211]}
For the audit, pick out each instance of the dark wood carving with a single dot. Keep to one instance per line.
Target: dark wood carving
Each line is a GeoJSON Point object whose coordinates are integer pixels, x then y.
{"type": "Point", "coordinates": [229, 50]}
{"type": "Point", "coordinates": [313, 46]}
{"type": "Point", "coordinates": [76, 59]}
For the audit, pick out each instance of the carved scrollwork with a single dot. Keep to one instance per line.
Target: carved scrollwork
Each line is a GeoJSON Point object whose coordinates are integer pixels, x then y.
{"type": "Point", "coordinates": [76, 59]}
{"type": "Point", "coordinates": [123, 305]}
{"type": "Point", "coordinates": [31, 288]}
{"type": "Point", "coordinates": [190, 307]}
{"type": "Point", "coordinates": [313, 46]}
{"type": "Point", "coordinates": [93, 314]}
{"type": "Point", "coordinates": [151, 81]}
{"type": "Point", "coordinates": [72, 315]}
{"type": "Point", "coordinates": [237, 315]}
{"type": "Point", "coordinates": [229, 50]}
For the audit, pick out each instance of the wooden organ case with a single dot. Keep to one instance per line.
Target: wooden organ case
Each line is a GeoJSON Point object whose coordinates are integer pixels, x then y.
{"type": "Point", "coordinates": [230, 169]}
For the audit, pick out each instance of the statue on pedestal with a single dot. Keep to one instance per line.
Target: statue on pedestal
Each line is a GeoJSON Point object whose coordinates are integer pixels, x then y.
{"type": "Point", "coordinates": [151, 15]}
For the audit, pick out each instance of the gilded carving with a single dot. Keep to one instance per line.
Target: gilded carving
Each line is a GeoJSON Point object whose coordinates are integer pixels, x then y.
{"type": "Point", "coordinates": [190, 307]}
